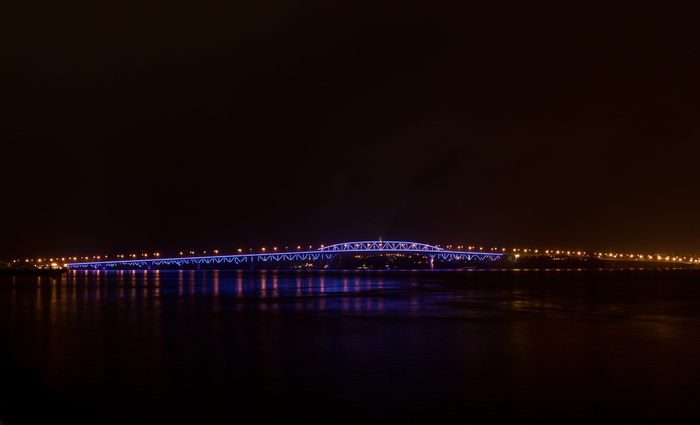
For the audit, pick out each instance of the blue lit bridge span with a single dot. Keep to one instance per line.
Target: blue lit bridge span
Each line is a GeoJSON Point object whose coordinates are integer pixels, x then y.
{"type": "Point", "coordinates": [324, 253]}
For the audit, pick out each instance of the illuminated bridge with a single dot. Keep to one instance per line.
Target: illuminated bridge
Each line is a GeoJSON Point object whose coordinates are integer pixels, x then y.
{"type": "Point", "coordinates": [324, 253]}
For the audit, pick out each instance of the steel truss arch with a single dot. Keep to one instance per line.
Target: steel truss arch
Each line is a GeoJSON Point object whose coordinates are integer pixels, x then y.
{"type": "Point", "coordinates": [381, 246]}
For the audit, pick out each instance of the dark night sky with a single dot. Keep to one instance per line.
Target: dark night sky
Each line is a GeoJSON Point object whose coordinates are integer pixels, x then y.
{"type": "Point", "coordinates": [141, 126]}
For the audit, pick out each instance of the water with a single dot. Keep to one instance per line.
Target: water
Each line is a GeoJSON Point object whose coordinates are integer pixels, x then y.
{"type": "Point", "coordinates": [417, 347]}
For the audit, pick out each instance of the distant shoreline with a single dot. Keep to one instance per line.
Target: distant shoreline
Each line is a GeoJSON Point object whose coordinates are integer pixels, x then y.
{"type": "Point", "coordinates": [557, 267]}
{"type": "Point", "coordinates": [32, 271]}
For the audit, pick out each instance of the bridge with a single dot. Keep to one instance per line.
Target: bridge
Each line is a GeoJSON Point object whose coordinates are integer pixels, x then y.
{"type": "Point", "coordinates": [324, 253]}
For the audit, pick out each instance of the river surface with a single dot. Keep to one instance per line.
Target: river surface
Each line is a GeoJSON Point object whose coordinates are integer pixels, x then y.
{"type": "Point", "coordinates": [360, 347]}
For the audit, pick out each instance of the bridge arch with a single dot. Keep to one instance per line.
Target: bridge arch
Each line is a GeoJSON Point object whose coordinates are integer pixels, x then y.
{"type": "Point", "coordinates": [380, 246]}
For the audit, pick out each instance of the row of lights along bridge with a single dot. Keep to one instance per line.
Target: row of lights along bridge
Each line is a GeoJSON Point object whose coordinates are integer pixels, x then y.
{"type": "Point", "coordinates": [518, 252]}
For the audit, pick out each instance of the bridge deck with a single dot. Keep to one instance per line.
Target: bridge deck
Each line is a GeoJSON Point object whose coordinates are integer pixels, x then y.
{"type": "Point", "coordinates": [324, 253]}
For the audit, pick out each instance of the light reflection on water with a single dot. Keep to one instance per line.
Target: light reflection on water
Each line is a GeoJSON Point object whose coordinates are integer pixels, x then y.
{"type": "Point", "coordinates": [363, 346]}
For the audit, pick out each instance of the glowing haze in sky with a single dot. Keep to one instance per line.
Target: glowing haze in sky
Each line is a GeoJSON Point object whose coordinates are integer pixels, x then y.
{"type": "Point", "coordinates": [163, 126]}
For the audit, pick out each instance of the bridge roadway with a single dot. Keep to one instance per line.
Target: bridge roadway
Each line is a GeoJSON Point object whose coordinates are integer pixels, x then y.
{"type": "Point", "coordinates": [324, 253]}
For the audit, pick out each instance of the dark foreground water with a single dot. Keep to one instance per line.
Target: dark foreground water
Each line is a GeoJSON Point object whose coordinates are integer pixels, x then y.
{"type": "Point", "coordinates": [180, 347]}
